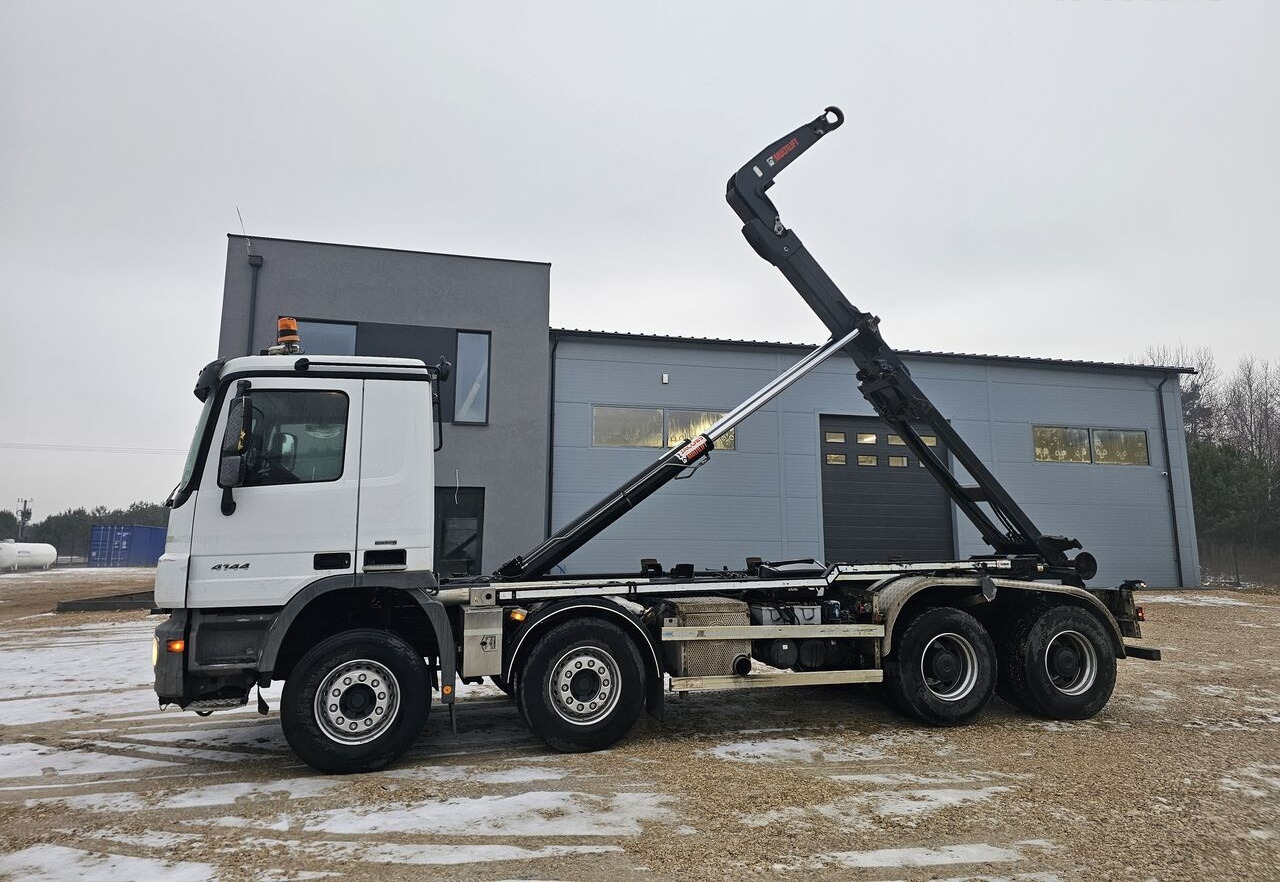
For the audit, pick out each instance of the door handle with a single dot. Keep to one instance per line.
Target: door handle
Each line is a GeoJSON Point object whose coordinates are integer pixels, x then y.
{"type": "Point", "coordinates": [332, 560]}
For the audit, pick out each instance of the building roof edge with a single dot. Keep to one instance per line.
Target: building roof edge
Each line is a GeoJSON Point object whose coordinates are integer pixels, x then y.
{"type": "Point", "coordinates": [907, 353]}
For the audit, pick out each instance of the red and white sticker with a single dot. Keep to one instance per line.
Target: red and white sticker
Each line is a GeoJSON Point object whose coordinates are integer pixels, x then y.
{"type": "Point", "coordinates": [693, 449]}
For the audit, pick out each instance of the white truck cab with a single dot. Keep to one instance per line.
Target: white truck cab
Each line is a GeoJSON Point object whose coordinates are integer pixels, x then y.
{"type": "Point", "coordinates": [317, 495]}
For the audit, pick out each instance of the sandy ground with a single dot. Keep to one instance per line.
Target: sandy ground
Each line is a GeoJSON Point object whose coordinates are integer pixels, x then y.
{"type": "Point", "coordinates": [1178, 778]}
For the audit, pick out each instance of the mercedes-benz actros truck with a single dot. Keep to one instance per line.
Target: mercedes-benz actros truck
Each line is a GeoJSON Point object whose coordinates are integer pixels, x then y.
{"type": "Point", "coordinates": [300, 550]}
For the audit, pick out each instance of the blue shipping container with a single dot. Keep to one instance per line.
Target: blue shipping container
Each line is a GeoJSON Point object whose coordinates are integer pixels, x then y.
{"type": "Point", "coordinates": [121, 545]}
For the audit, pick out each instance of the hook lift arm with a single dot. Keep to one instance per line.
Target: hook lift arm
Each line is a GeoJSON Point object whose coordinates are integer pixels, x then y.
{"type": "Point", "coordinates": [883, 379]}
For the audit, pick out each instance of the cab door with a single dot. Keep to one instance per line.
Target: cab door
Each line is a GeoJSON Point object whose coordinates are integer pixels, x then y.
{"type": "Point", "coordinates": [294, 517]}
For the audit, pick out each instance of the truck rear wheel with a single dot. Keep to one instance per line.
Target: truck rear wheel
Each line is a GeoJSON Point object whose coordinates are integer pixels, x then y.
{"type": "Point", "coordinates": [582, 686]}
{"type": "Point", "coordinates": [355, 702]}
{"type": "Point", "coordinates": [943, 667]}
{"type": "Point", "coordinates": [1059, 662]}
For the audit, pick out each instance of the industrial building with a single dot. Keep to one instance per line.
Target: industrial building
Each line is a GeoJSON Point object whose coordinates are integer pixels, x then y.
{"type": "Point", "coordinates": [541, 421]}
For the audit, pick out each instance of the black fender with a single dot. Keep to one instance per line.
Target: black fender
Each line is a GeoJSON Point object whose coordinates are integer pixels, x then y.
{"type": "Point", "coordinates": [542, 619]}
{"type": "Point", "coordinates": [416, 585]}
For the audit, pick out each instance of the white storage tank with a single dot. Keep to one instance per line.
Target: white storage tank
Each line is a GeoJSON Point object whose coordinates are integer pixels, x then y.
{"type": "Point", "coordinates": [26, 555]}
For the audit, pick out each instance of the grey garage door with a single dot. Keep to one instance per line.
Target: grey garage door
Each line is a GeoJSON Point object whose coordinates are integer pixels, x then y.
{"type": "Point", "coordinates": [878, 501]}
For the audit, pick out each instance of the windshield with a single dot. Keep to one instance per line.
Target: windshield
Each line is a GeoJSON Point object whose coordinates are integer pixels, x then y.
{"type": "Point", "coordinates": [194, 450]}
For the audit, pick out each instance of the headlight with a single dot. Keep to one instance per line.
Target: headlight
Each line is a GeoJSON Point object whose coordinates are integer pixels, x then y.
{"type": "Point", "coordinates": [155, 651]}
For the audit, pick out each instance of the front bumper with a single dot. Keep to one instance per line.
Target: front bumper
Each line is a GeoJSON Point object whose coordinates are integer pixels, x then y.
{"type": "Point", "coordinates": [170, 666]}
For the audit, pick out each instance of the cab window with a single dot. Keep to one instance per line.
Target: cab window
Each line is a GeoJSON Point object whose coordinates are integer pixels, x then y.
{"type": "Point", "coordinates": [297, 437]}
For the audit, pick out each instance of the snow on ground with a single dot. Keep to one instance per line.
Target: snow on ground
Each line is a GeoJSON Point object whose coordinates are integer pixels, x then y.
{"type": "Point", "coordinates": [93, 767]}
{"type": "Point", "coordinates": [24, 759]}
{"type": "Point", "coordinates": [794, 750]}
{"type": "Point", "coordinates": [861, 811]}
{"type": "Point", "coordinates": [88, 575]}
{"type": "Point", "coordinates": [1257, 782]}
{"type": "Point", "coordinates": [535, 813]}
{"type": "Point", "coordinates": [1193, 599]}
{"type": "Point", "coordinates": [85, 659]}
{"type": "Point", "coordinates": [431, 854]}
{"type": "Point", "coordinates": [976, 853]}
{"type": "Point", "coordinates": [57, 863]}
{"type": "Point", "coordinates": [214, 795]}
{"type": "Point", "coordinates": [518, 775]}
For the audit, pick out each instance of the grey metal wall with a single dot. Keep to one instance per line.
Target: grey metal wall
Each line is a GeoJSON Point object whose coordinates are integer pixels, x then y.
{"type": "Point", "coordinates": [765, 498]}
{"type": "Point", "coordinates": [508, 457]}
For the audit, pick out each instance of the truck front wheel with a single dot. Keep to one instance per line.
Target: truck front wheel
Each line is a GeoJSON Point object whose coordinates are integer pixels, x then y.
{"type": "Point", "coordinates": [355, 702]}
{"type": "Point", "coordinates": [943, 667]}
{"type": "Point", "coordinates": [582, 686]}
{"type": "Point", "coordinates": [1059, 662]}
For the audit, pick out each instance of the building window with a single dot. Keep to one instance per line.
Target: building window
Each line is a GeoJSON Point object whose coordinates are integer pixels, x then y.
{"type": "Point", "coordinates": [864, 460]}
{"type": "Point", "coordinates": [835, 437]}
{"type": "Point", "coordinates": [896, 441]}
{"type": "Point", "coordinates": [1060, 444]}
{"type": "Point", "coordinates": [471, 378]}
{"type": "Point", "coordinates": [653, 427]}
{"type": "Point", "coordinates": [866, 437]}
{"type": "Point", "coordinates": [459, 530]}
{"type": "Point", "coordinates": [898, 462]}
{"type": "Point", "coordinates": [1101, 446]}
{"type": "Point", "coordinates": [685, 424]}
{"type": "Point", "coordinates": [297, 437]}
{"type": "Point", "coordinates": [626, 426]}
{"type": "Point", "coordinates": [327, 338]}
{"type": "Point", "coordinates": [929, 440]}
{"type": "Point", "coordinates": [835, 459]}
{"type": "Point", "coordinates": [1120, 446]}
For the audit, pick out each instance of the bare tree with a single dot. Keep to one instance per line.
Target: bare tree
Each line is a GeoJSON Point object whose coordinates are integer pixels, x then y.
{"type": "Point", "coordinates": [1251, 410]}
{"type": "Point", "coordinates": [1200, 391]}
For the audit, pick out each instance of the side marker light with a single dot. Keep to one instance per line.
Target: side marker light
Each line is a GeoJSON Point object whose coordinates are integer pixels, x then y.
{"type": "Point", "coordinates": [176, 646]}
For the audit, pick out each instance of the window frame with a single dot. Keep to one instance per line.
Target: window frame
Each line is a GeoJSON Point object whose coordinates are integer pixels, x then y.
{"type": "Point", "coordinates": [666, 426]}
{"type": "Point", "coordinates": [1089, 444]}
{"type": "Point", "coordinates": [346, 432]}
{"type": "Point", "coordinates": [665, 412]}
{"type": "Point", "coordinates": [662, 427]}
{"type": "Point", "coordinates": [488, 375]}
{"type": "Point", "coordinates": [1146, 443]}
{"type": "Point", "coordinates": [355, 326]}
{"type": "Point", "coordinates": [437, 530]}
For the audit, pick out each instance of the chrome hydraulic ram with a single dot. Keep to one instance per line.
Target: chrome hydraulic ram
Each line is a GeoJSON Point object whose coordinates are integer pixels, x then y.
{"type": "Point", "coordinates": [692, 453]}
{"type": "Point", "coordinates": [883, 379]}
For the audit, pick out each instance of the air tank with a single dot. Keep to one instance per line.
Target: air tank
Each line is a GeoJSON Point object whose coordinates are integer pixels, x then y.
{"type": "Point", "coordinates": [26, 555]}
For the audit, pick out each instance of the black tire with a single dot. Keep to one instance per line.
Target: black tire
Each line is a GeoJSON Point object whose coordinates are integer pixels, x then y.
{"type": "Point", "coordinates": [389, 721]}
{"type": "Point", "coordinates": [589, 660]}
{"type": "Point", "coordinates": [943, 667]}
{"type": "Point", "coordinates": [1060, 662]}
{"type": "Point", "coordinates": [501, 682]}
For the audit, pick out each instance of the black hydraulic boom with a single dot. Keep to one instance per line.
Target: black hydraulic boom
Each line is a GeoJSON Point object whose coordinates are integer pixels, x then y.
{"type": "Point", "coordinates": [882, 379]}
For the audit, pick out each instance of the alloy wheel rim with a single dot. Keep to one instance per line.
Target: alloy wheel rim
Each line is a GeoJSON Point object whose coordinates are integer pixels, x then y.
{"type": "Point", "coordinates": [949, 666]}
{"type": "Point", "coordinates": [584, 685]}
{"type": "Point", "coordinates": [1071, 663]}
{"type": "Point", "coordinates": [357, 702]}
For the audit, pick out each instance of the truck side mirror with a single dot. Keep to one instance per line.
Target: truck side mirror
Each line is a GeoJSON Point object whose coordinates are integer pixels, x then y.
{"type": "Point", "coordinates": [236, 437]}
{"type": "Point", "coordinates": [235, 446]}
{"type": "Point", "coordinates": [231, 471]}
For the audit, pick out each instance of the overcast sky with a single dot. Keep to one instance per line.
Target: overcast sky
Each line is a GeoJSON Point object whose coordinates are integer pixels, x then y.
{"type": "Point", "coordinates": [1067, 178]}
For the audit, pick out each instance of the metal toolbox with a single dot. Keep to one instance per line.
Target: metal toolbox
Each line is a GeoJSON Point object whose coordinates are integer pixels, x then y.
{"type": "Point", "coordinates": [706, 658]}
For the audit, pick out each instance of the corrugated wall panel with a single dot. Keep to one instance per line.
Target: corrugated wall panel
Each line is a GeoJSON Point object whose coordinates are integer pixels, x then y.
{"type": "Point", "coordinates": [764, 498]}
